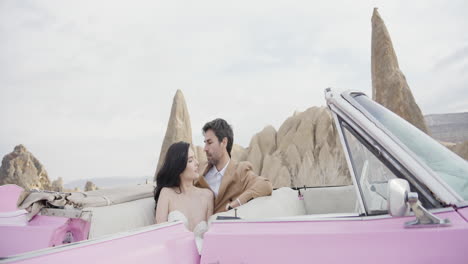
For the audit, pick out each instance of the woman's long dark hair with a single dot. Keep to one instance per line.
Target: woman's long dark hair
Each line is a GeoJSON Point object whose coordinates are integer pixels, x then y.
{"type": "Point", "coordinates": [175, 163]}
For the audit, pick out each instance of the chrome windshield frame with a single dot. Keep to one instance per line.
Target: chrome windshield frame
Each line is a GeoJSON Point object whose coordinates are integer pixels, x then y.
{"type": "Point", "coordinates": [344, 105]}
{"type": "Point", "coordinates": [350, 165]}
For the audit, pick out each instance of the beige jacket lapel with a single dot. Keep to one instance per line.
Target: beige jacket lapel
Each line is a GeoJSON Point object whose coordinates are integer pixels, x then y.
{"type": "Point", "coordinates": [228, 177]}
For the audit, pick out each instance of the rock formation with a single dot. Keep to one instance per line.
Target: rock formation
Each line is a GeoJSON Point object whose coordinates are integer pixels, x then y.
{"type": "Point", "coordinates": [451, 127]}
{"type": "Point", "coordinates": [305, 151]}
{"type": "Point", "coordinates": [20, 167]}
{"type": "Point", "coordinates": [201, 157]}
{"type": "Point", "coordinates": [90, 186]}
{"type": "Point", "coordinates": [262, 144]}
{"type": "Point", "coordinates": [237, 153]}
{"type": "Point", "coordinates": [57, 185]}
{"type": "Point", "coordinates": [389, 86]}
{"type": "Point", "coordinates": [461, 149]}
{"type": "Point", "coordinates": [178, 127]}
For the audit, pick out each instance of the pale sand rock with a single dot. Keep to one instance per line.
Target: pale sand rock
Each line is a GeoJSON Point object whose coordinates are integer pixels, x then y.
{"type": "Point", "coordinates": [201, 157]}
{"type": "Point", "coordinates": [57, 185]}
{"type": "Point", "coordinates": [308, 152]}
{"type": "Point", "coordinates": [277, 173]}
{"type": "Point", "coordinates": [90, 186]}
{"type": "Point", "coordinates": [292, 160]}
{"type": "Point", "coordinates": [20, 167]}
{"type": "Point", "coordinates": [309, 173]}
{"type": "Point", "coordinates": [255, 156]}
{"type": "Point", "coordinates": [262, 143]}
{"type": "Point", "coordinates": [178, 127]}
{"type": "Point", "coordinates": [389, 86]}
{"type": "Point", "coordinates": [461, 149]}
{"type": "Point", "coordinates": [238, 153]}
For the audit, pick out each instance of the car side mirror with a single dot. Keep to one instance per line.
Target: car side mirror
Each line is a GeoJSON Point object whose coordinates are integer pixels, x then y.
{"type": "Point", "coordinates": [400, 200]}
{"type": "Point", "coordinates": [398, 190]}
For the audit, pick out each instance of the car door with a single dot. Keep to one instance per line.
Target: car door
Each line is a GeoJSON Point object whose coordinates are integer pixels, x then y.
{"type": "Point", "coordinates": [161, 243]}
{"type": "Point", "coordinates": [372, 237]}
{"type": "Point", "coordinates": [367, 239]}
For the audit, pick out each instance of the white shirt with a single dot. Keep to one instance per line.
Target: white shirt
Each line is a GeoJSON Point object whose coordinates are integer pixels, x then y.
{"type": "Point", "coordinates": [213, 177]}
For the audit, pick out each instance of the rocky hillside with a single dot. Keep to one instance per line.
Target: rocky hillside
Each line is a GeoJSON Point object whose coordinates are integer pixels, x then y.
{"type": "Point", "coordinates": [305, 151]}
{"type": "Point", "coordinates": [22, 168]}
{"type": "Point", "coordinates": [448, 127]}
{"type": "Point", "coordinates": [461, 149]}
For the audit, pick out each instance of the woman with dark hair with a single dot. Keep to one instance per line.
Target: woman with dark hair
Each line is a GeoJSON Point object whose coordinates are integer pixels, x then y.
{"type": "Point", "coordinates": [176, 196]}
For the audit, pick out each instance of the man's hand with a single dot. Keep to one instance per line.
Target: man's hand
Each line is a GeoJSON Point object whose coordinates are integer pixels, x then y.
{"type": "Point", "coordinates": [232, 205]}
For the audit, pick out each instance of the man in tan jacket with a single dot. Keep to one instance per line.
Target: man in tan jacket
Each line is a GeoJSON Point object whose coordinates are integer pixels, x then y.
{"type": "Point", "coordinates": [232, 183]}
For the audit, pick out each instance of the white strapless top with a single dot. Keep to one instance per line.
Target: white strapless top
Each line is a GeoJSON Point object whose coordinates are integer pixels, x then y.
{"type": "Point", "coordinates": [198, 231]}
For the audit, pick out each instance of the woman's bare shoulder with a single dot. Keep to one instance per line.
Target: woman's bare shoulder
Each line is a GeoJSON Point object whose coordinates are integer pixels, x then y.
{"type": "Point", "coordinates": [167, 191]}
{"type": "Point", "coordinates": [205, 192]}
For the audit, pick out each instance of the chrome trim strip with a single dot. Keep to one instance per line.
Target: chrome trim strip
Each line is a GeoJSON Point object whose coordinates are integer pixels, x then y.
{"type": "Point", "coordinates": [297, 218]}
{"type": "Point", "coordinates": [69, 213]}
{"type": "Point", "coordinates": [326, 217]}
{"type": "Point", "coordinates": [441, 210]}
{"type": "Point", "coordinates": [49, 250]}
{"type": "Point", "coordinates": [462, 204]}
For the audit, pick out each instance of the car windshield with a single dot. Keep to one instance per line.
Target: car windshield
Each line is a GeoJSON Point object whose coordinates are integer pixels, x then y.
{"type": "Point", "coordinates": [449, 166]}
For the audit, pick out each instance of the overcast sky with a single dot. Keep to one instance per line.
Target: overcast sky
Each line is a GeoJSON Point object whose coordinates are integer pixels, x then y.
{"type": "Point", "coordinates": [87, 86]}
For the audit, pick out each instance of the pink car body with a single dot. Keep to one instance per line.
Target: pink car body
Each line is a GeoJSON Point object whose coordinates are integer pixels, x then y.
{"type": "Point", "coordinates": [377, 232]}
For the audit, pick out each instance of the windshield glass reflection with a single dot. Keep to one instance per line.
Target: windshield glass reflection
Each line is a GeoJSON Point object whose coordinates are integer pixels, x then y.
{"type": "Point", "coordinates": [449, 166]}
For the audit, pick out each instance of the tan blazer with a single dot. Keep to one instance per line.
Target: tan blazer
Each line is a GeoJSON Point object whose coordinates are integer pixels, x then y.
{"type": "Point", "coordinates": [239, 182]}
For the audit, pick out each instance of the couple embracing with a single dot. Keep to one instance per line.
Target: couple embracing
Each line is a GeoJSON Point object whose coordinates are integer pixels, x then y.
{"type": "Point", "coordinates": [182, 193]}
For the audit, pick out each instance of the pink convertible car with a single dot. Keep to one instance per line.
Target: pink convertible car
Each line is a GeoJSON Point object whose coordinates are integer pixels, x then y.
{"type": "Point", "coordinates": [408, 204]}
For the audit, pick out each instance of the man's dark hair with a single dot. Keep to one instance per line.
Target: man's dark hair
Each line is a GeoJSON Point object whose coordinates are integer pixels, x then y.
{"type": "Point", "coordinates": [222, 130]}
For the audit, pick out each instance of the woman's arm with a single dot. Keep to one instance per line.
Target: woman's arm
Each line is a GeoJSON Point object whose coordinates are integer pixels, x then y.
{"type": "Point", "coordinates": [162, 208]}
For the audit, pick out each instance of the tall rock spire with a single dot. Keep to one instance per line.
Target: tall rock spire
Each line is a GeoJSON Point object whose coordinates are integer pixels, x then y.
{"type": "Point", "coordinates": [389, 86]}
{"type": "Point", "coordinates": [178, 127]}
